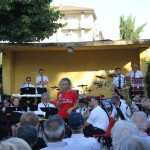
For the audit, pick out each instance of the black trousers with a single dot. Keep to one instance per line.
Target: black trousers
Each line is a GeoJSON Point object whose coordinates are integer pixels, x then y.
{"type": "Point", "coordinates": [90, 130]}
{"type": "Point", "coordinates": [40, 91]}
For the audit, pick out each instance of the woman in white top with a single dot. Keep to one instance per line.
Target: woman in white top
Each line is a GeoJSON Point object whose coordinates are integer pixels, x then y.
{"type": "Point", "coordinates": [46, 101]}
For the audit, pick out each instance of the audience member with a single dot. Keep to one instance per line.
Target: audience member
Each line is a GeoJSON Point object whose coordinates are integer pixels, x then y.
{"type": "Point", "coordinates": [16, 102]}
{"type": "Point", "coordinates": [121, 129]}
{"type": "Point", "coordinates": [98, 121]}
{"type": "Point", "coordinates": [133, 142]}
{"type": "Point", "coordinates": [140, 119]}
{"type": "Point", "coordinates": [76, 124]}
{"type": "Point", "coordinates": [14, 144]}
{"type": "Point", "coordinates": [28, 133]}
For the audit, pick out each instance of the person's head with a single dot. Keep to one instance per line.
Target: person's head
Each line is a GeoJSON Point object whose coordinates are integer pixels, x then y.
{"type": "Point", "coordinates": [135, 67]}
{"type": "Point", "coordinates": [94, 101]}
{"type": "Point", "coordinates": [147, 102]}
{"type": "Point", "coordinates": [28, 80]}
{"type": "Point", "coordinates": [118, 71]}
{"type": "Point", "coordinates": [28, 133]}
{"type": "Point", "coordinates": [65, 84]}
{"type": "Point", "coordinates": [122, 128]}
{"type": "Point", "coordinates": [115, 100]}
{"type": "Point", "coordinates": [137, 98]}
{"type": "Point", "coordinates": [45, 97]}
{"type": "Point", "coordinates": [81, 102]}
{"type": "Point", "coordinates": [29, 118]}
{"type": "Point", "coordinates": [140, 119]}
{"type": "Point", "coordinates": [15, 143]}
{"type": "Point", "coordinates": [76, 122]}
{"type": "Point", "coordinates": [6, 102]}
{"type": "Point", "coordinates": [54, 128]}
{"type": "Point", "coordinates": [144, 102]}
{"type": "Point", "coordinates": [41, 72]}
{"type": "Point", "coordinates": [133, 142]}
{"type": "Point", "coordinates": [16, 102]}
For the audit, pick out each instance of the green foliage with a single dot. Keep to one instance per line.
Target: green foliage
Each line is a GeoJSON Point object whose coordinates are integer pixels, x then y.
{"type": "Point", "coordinates": [147, 79]}
{"type": "Point", "coordinates": [24, 21]}
{"type": "Point", "coordinates": [127, 29]}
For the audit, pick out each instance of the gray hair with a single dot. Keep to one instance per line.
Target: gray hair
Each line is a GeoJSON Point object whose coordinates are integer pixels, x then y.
{"type": "Point", "coordinates": [15, 144]}
{"type": "Point", "coordinates": [140, 119]}
{"type": "Point", "coordinates": [28, 133]}
{"type": "Point", "coordinates": [120, 129]}
{"type": "Point", "coordinates": [133, 142]}
{"type": "Point", "coordinates": [54, 128]}
{"type": "Point", "coordinates": [45, 94]}
{"type": "Point", "coordinates": [64, 80]}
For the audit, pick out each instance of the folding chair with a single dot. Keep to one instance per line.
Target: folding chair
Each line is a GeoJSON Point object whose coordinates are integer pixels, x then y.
{"type": "Point", "coordinates": [107, 136]}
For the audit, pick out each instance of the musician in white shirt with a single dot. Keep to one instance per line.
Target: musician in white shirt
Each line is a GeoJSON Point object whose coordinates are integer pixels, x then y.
{"type": "Point", "coordinates": [46, 101]}
{"type": "Point", "coordinates": [124, 112]}
{"type": "Point", "coordinates": [119, 80]}
{"type": "Point", "coordinates": [82, 108]}
{"type": "Point", "coordinates": [25, 100]}
{"type": "Point", "coordinates": [135, 73]}
{"type": "Point", "coordinates": [41, 84]}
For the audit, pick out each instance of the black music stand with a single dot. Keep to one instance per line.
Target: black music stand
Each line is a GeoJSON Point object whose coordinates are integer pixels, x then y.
{"type": "Point", "coordinates": [27, 90]}
{"type": "Point", "coordinates": [14, 109]}
{"type": "Point", "coordinates": [50, 111]}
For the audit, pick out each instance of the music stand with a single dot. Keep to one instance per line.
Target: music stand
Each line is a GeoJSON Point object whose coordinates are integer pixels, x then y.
{"type": "Point", "coordinates": [27, 90]}
{"type": "Point", "coordinates": [14, 109]}
{"type": "Point", "coordinates": [50, 111]}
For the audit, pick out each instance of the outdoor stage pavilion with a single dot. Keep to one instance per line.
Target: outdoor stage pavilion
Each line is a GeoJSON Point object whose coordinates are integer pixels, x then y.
{"type": "Point", "coordinates": [79, 61]}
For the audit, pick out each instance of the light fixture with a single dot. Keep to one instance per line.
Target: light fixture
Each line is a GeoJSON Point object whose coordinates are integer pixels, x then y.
{"type": "Point", "coordinates": [70, 50]}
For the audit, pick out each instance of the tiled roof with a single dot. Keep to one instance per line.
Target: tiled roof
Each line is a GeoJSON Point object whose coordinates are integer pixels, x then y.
{"type": "Point", "coordinates": [65, 8]}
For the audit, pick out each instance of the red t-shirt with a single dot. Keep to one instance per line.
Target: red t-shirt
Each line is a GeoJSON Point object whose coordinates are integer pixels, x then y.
{"type": "Point", "coordinates": [68, 100]}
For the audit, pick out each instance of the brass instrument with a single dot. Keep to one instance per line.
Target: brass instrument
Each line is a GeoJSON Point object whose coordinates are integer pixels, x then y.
{"type": "Point", "coordinates": [126, 93]}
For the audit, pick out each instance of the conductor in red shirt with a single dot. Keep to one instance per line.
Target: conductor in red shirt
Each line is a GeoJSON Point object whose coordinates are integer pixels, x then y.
{"type": "Point", "coordinates": [67, 100]}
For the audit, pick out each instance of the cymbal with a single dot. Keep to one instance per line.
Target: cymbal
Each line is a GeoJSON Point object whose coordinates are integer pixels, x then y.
{"type": "Point", "coordinates": [100, 77]}
{"type": "Point", "coordinates": [54, 87]}
{"type": "Point", "coordinates": [82, 85]}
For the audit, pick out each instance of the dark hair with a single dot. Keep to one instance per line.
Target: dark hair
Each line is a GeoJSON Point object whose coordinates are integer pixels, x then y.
{"type": "Point", "coordinates": [28, 78]}
{"type": "Point", "coordinates": [118, 68]}
{"type": "Point", "coordinates": [41, 70]}
{"type": "Point", "coordinates": [28, 133]}
{"type": "Point", "coordinates": [7, 98]}
{"type": "Point", "coordinates": [115, 98]}
{"type": "Point", "coordinates": [14, 99]}
{"type": "Point", "coordinates": [96, 99]}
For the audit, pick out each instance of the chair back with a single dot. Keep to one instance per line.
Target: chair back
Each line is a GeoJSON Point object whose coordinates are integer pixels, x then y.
{"type": "Point", "coordinates": [111, 124]}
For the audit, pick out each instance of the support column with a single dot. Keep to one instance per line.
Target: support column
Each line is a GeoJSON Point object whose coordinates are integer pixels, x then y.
{"type": "Point", "coordinates": [8, 72]}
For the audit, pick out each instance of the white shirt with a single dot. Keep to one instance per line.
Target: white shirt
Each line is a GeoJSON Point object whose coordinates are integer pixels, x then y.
{"type": "Point", "coordinates": [27, 85]}
{"type": "Point", "coordinates": [81, 110]}
{"type": "Point", "coordinates": [145, 136]}
{"type": "Point", "coordinates": [124, 109]}
{"type": "Point", "coordinates": [98, 118]}
{"type": "Point", "coordinates": [62, 146]}
{"type": "Point", "coordinates": [87, 143]}
{"type": "Point", "coordinates": [122, 81]}
{"type": "Point", "coordinates": [39, 78]}
{"type": "Point", "coordinates": [138, 74]}
{"type": "Point", "coordinates": [45, 105]}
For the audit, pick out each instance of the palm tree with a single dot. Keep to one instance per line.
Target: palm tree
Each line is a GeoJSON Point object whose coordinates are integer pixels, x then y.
{"type": "Point", "coordinates": [127, 29]}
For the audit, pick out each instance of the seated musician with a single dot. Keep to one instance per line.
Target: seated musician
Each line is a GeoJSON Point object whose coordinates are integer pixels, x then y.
{"type": "Point", "coordinates": [28, 101]}
{"type": "Point", "coordinates": [97, 122]}
{"type": "Point", "coordinates": [6, 103]}
{"type": "Point", "coordinates": [46, 101]}
{"type": "Point", "coordinates": [119, 81]}
{"type": "Point", "coordinates": [120, 110]}
{"type": "Point", "coordinates": [82, 108]}
{"type": "Point", "coordinates": [136, 103]}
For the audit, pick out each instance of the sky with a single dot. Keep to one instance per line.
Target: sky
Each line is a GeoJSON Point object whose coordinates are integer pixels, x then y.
{"type": "Point", "coordinates": [108, 14]}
